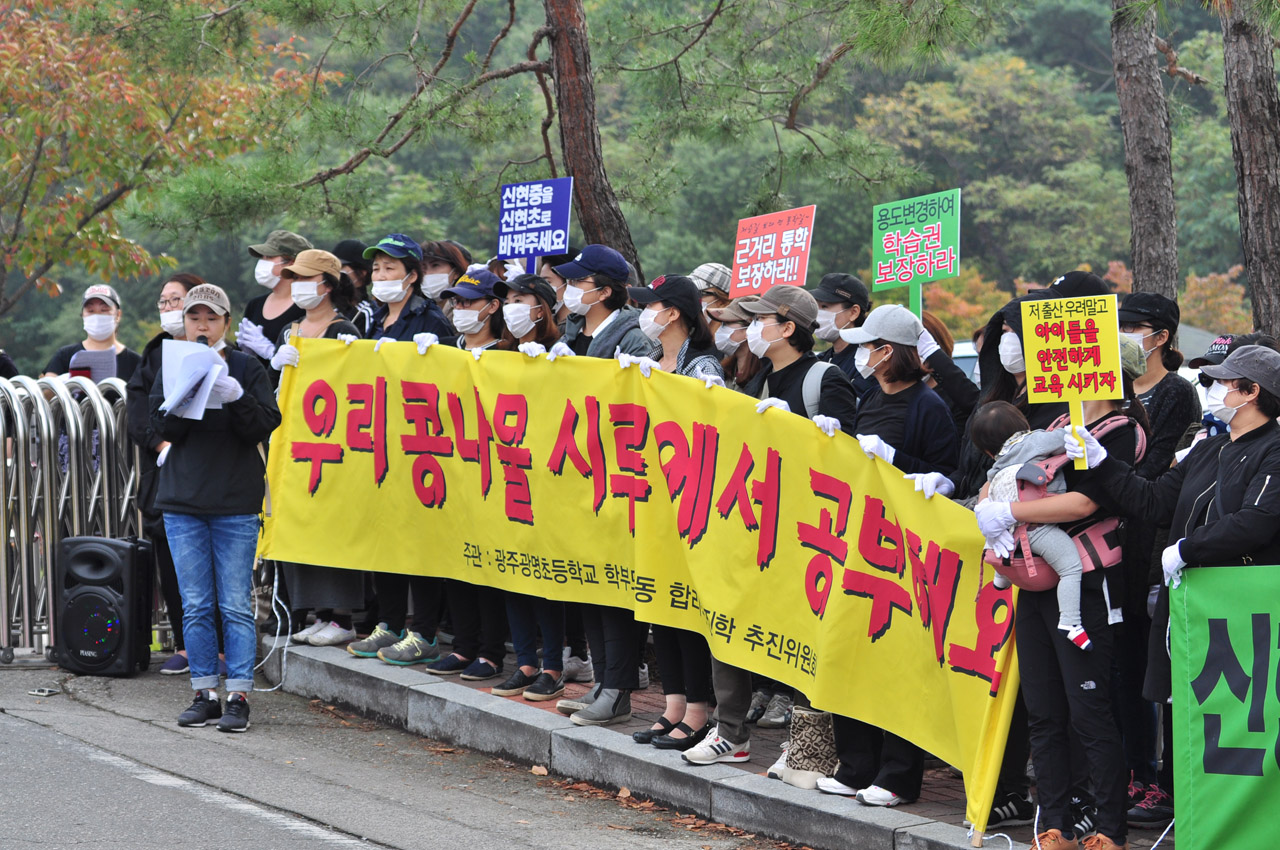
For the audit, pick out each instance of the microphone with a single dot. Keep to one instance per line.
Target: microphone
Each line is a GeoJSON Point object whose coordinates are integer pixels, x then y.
{"type": "Point", "coordinates": [202, 339]}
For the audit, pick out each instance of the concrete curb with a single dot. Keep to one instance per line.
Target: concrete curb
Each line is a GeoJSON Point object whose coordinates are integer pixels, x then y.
{"type": "Point", "coordinates": [431, 706]}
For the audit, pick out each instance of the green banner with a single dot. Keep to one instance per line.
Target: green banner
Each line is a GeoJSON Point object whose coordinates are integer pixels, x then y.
{"type": "Point", "coordinates": [1225, 645]}
{"type": "Point", "coordinates": [916, 240]}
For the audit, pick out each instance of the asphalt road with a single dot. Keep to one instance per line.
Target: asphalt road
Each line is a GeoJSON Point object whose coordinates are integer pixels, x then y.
{"type": "Point", "coordinates": [104, 764]}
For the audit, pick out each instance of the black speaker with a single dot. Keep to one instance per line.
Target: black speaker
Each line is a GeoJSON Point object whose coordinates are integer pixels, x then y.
{"type": "Point", "coordinates": [103, 605]}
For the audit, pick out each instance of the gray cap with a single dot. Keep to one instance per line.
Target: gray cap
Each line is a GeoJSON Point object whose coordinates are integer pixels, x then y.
{"type": "Point", "coordinates": [790, 303]}
{"type": "Point", "coordinates": [712, 276]}
{"type": "Point", "coordinates": [281, 243]}
{"type": "Point", "coordinates": [736, 311]}
{"type": "Point", "coordinates": [1255, 362]}
{"type": "Point", "coordinates": [208, 295]}
{"type": "Point", "coordinates": [889, 322]}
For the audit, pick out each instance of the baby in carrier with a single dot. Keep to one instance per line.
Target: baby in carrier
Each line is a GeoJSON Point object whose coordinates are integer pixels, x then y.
{"type": "Point", "coordinates": [1001, 431]}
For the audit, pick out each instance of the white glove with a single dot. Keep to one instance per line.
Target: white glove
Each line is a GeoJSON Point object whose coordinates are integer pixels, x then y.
{"type": "Point", "coordinates": [476, 352]}
{"type": "Point", "coordinates": [425, 341]}
{"type": "Point", "coordinates": [560, 349]}
{"type": "Point", "coordinates": [994, 517]}
{"type": "Point", "coordinates": [227, 389]}
{"type": "Point", "coordinates": [381, 340]}
{"type": "Point", "coordinates": [250, 336]}
{"type": "Point", "coordinates": [513, 269]}
{"type": "Point", "coordinates": [766, 403]}
{"type": "Point", "coordinates": [874, 446]}
{"type": "Point", "coordinates": [646, 364]}
{"type": "Point", "coordinates": [1153, 593]}
{"type": "Point", "coordinates": [930, 483]}
{"type": "Point", "coordinates": [827, 424]}
{"type": "Point", "coordinates": [1002, 543]}
{"type": "Point", "coordinates": [1092, 451]}
{"type": "Point", "coordinates": [163, 456]}
{"type": "Point", "coordinates": [1172, 564]}
{"type": "Point", "coordinates": [710, 379]}
{"type": "Point", "coordinates": [532, 349]}
{"type": "Point", "coordinates": [286, 355]}
{"type": "Point", "coordinates": [348, 338]}
{"type": "Point", "coordinates": [927, 345]}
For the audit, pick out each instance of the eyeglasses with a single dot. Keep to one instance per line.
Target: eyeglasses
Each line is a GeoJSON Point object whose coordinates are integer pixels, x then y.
{"type": "Point", "coordinates": [174, 302]}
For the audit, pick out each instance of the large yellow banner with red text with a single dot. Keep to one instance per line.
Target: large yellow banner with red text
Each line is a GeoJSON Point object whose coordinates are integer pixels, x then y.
{"type": "Point", "coordinates": [796, 555]}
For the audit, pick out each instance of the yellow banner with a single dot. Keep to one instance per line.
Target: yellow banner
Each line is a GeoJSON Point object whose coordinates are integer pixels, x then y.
{"type": "Point", "coordinates": [795, 555]}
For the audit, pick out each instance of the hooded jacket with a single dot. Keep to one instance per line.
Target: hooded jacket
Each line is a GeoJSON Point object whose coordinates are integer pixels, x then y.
{"type": "Point", "coordinates": [623, 332]}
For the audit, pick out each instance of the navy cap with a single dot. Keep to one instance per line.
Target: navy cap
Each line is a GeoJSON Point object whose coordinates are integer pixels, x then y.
{"type": "Point", "coordinates": [594, 259]}
{"type": "Point", "coordinates": [480, 283]}
{"type": "Point", "coordinates": [527, 284]}
{"type": "Point", "coordinates": [395, 245]}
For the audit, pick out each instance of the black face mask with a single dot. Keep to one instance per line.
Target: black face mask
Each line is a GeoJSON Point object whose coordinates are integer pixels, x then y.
{"type": "Point", "coordinates": [1205, 380]}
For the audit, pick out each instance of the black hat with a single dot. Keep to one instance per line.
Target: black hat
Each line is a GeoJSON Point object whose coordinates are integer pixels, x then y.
{"type": "Point", "coordinates": [839, 287]}
{"type": "Point", "coordinates": [675, 290]}
{"type": "Point", "coordinates": [351, 253]}
{"type": "Point", "coordinates": [1077, 284]}
{"type": "Point", "coordinates": [527, 284]}
{"type": "Point", "coordinates": [1152, 308]}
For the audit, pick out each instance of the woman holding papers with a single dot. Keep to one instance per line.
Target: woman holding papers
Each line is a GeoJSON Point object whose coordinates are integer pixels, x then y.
{"type": "Point", "coordinates": [210, 491]}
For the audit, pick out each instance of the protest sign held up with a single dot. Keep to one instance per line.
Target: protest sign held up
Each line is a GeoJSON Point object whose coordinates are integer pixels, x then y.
{"type": "Point", "coordinates": [533, 218]}
{"type": "Point", "coordinates": [772, 249]}
{"type": "Point", "coordinates": [916, 241]}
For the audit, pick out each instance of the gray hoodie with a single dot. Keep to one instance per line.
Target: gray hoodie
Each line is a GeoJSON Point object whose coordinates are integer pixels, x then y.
{"type": "Point", "coordinates": [623, 332]}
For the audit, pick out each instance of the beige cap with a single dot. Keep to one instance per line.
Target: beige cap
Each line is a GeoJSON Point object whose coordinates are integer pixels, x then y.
{"type": "Point", "coordinates": [210, 296]}
{"type": "Point", "coordinates": [313, 262]}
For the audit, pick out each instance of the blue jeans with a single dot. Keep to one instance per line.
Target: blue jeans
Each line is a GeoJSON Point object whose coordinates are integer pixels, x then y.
{"type": "Point", "coordinates": [213, 557]}
{"type": "Point", "coordinates": [529, 615]}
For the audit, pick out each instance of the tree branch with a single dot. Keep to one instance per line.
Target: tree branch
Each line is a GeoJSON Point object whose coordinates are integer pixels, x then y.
{"type": "Point", "coordinates": [702, 27]}
{"type": "Point", "coordinates": [1173, 69]}
{"type": "Point", "coordinates": [824, 68]}
{"type": "Point", "coordinates": [26, 191]}
{"type": "Point", "coordinates": [548, 99]}
{"type": "Point", "coordinates": [497, 39]}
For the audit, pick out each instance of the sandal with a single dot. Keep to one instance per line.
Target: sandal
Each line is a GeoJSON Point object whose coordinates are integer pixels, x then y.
{"type": "Point", "coordinates": [692, 739]}
{"type": "Point", "coordinates": [646, 736]}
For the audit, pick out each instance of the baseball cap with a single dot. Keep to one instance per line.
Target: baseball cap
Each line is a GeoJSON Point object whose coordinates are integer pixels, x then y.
{"type": "Point", "coordinates": [314, 262]}
{"type": "Point", "coordinates": [889, 322]}
{"type": "Point", "coordinates": [736, 311]}
{"type": "Point", "coordinates": [480, 283]}
{"type": "Point", "coordinates": [395, 245]}
{"type": "Point", "coordinates": [1133, 359]}
{"type": "Point", "coordinates": [280, 243]}
{"type": "Point", "coordinates": [712, 276]}
{"type": "Point", "coordinates": [1255, 362]}
{"type": "Point", "coordinates": [103, 293]}
{"type": "Point", "coordinates": [1216, 354]}
{"type": "Point", "coordinates": [526, 284]}
{"type": "Point", "coordinates": [351, 253]}
{"type": "Point", "coordinates": [791, 303]}
{"type": "Point", "coordinates": [675, 290]}
{"type": "Point", "coordinates": [210, 296]}
{"type": "Point", "coordinates": [1077, 284]}
{"type": "Point", "coordinates": [1152, 308]}
{"type": "Point", "coordinates": [839, 287]}
{"type": "Point", "coordinates": [594, 259]}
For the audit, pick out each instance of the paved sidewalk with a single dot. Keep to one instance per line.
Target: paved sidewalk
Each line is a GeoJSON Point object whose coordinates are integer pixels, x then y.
{"type": "Point", "coordinates": [449, 709]}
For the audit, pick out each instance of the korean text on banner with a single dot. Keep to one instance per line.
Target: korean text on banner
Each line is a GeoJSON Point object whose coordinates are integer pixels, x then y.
{"type": "Point", "coordinates": [1224, 638]}
{"type": "Point", "coordinates": [916, 240]}
{"type": "Point", "coordinates": [793, 553]}
{"type": "Point", "coordinates": [1072, 349]}
{"type": "Point", "coordinates": [533, 218]}
{"type": "Point", "coordinates": [772, 249]}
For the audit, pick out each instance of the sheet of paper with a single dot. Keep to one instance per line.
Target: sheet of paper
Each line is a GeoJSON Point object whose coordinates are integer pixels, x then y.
{"type": "Point", "coordinates": [190, 370]}
{"type": "Point", "coordinates": [101, 364]}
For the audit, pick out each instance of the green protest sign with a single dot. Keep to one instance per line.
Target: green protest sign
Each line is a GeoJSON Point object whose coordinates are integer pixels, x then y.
{"type": "Point", "coordinates": [1223, 632]}
{"type": "Point", "coordinates": [916, 241]}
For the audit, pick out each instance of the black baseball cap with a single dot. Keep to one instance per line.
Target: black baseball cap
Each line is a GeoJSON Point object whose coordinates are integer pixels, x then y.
{"type": "Point", "coordinates": [675, 290]}
{"type": "Point", "coordinates": [527, 284]}
{"type": "Point", "coordinates": [843, 288]}
{"type": "Point", "coordinates": [1078, 284]}
{"type": "Point", "coordinates": [351, 253]}
{"type": "Point", "coordinates": [1151, 308]}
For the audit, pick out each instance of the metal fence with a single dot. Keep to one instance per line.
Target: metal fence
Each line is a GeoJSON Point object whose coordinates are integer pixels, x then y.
{"type": "Point", "coordinates": [69, 470]}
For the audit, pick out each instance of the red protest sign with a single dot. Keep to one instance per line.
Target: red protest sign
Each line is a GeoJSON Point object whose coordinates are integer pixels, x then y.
{"type": "Point", "coordinates": [772, 249]}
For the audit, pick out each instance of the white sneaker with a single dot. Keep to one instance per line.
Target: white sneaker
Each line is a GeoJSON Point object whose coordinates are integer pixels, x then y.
{"type": "Point", "coordinates": [716, 749]}
{"type": "Point", "coordinates": [876, 796]}
{"type": "Point", "coordinates": [831, 785]}
{"type": "Point", "coordinates": [577, 670]}
{"type": "Point", "coordinates": [775, 770]}
{"type": "Point", "coordinates": [644, 676]}
{"type": "Point", "coordinates": [304, 635]}
{"type": "Point", "coordinates": [331, 634]}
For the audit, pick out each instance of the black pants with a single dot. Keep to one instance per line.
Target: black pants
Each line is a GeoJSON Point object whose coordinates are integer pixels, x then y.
{"type": "Point", "coordinates": [392, 592]}
{"type": "Point", "coordinates": [479, 617]}
{"type": "Point", "coordinates": [575, 636]}
{"type": "Point", "coordinates": [614, 648]}
{"type": "Point", "coordinates": [1013, 769]}
{"type": "Point", "coordinates": [684, 663]}
{"type": "Point", "coordinates": [169, 589]}
{"type": "Point", "coordinates": [871, 756]}
{"type": "Point", "coordinates": [1068, 688]}
{"type": "Point", "coordinates": [1136, 716]}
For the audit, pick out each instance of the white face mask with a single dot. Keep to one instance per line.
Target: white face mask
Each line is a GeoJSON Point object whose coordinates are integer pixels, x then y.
{"type": "Point", "coordinates": [99, 326]}
{"type": "Point", "coordinates": [827, 329]}
{"type": "Point", "coordinates": [649, 325]}
{"type": "Point", "coordinates": [434, 284]}
{"type": "Point", "coordinates": [391, 291]}
{"type": "Point", "coordinates": [1216, 399]}
{"type": "Point", "coordinates": [265, 275]}
{"type": "Point", "coordinates": [305, 295]}
{"type": "Point", "coordinates": [559, 299]}
{"type": "Point", "coordinates": [862, 361]}
{"type": "Point", "coordinates": [519, 318]}
{"type": "Point", "coordinates": [468, 321]}
{"type": "Point", "coordinates": [172, 324]}
{"type": "Point", "coordinates": [725, 343]}
{"type": "Point", "coordinates": [1011, 353]}
{"type": "Point", "coordinates": [1138, 338]}
{"type": "Point", "coordinates": [573, 300]}
{"type": "Point", "coordinates": [756, 343]}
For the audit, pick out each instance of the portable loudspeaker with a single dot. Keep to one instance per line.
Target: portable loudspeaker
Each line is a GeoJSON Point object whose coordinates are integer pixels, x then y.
{"type": "Point", "coordinates": [104, 605]}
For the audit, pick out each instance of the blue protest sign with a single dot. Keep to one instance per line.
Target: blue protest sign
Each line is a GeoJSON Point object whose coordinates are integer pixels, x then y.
{"type": "Point", "coordinates": [534, 218]}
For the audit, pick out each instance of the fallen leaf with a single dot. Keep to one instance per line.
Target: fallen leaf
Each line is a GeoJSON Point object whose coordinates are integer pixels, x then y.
{"type": "Point", "coordinates": [618, 826]}
{"type": "Point", "coordinates": [380, 744]}
{"type": "Point", "coordinates": [522, 821]}
{"type": "Point", "coordinates": [624, 792]}
{"type": "Point", "coordinates": [538, 770]}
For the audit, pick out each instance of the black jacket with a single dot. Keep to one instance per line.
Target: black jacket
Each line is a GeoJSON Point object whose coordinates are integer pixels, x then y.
{"type": "Point", "coordinates": [144, 436]}
{"type": "Point", "coordinates": [214, 467]}
{"type": "Point", "coordinates": [835, 396]}
{"type": "Point", "coordinates": [420, 315]}
{"type": "Point", "coordinates": [954, 387]}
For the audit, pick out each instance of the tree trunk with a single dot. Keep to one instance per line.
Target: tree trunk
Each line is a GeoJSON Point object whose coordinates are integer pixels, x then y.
{"type": "Point", "coordinates": [1253, 107]}
{"type": "Point", "coordinates": [598, 211]}
{"type": "Point", "coordinates": [1144, 120]}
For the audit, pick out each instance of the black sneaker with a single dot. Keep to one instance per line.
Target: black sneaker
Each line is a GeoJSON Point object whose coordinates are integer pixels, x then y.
{"type": "Point", "coordinates": [515, 684]}
{"type": "Point", "coordinates": [203, 709]}
{"type": "Point", "coordinates": [545, 687]}
{"type": "Point", "coordinates": [1013, 810]}
{"type": "Point", "coordinates": [236, 718]}
{"type": "Point", "coordinates": [1085, 818]}
{"type": "Point", "coordinates": [1154, 812]}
